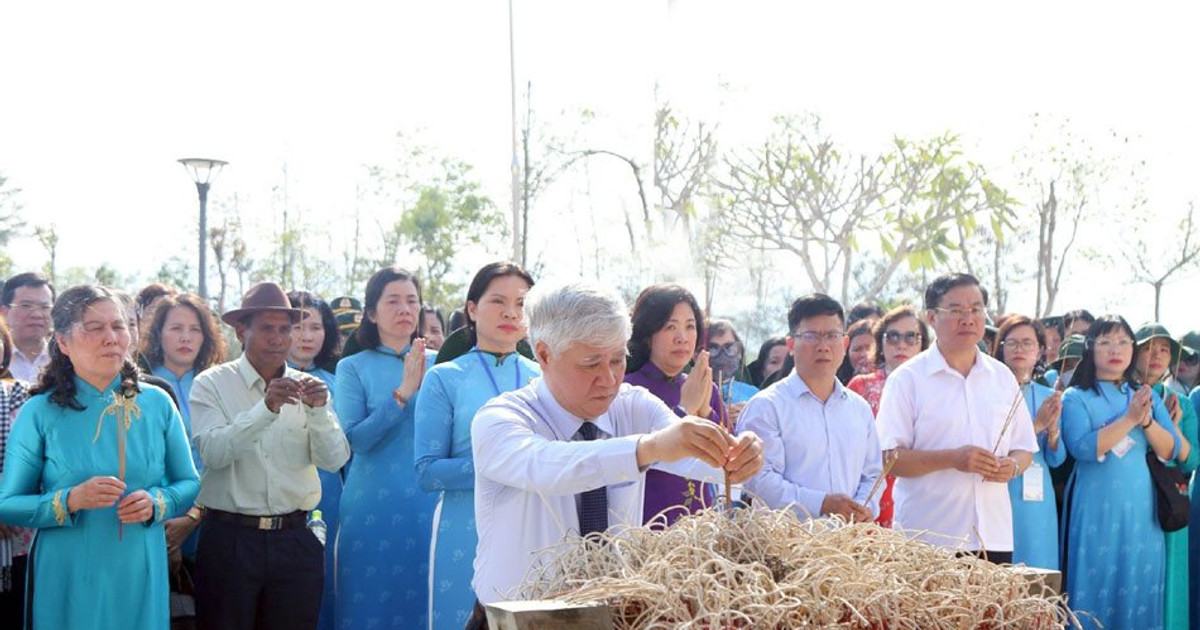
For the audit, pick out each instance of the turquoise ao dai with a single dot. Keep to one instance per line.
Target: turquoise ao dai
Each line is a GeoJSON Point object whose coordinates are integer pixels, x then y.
{"type": "Point", "coordinates": [383, 540]}
{"type": "Point", "coordinates": [86, 573]}
{"type": "Point", "coordinates": [450, 395]}
{"type": "Point", "coordinates": [1114, 549]}
{"type": "Point", "coordinates": [1035, 522]}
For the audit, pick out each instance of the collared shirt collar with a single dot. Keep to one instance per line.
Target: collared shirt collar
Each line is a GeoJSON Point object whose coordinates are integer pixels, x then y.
{"type": "Point", "coordinates": [937, 362]}
{"type": "Point", "coordinates": [564, 422]}
{"type": "Point", "coordinates": [797, 388]}
{"type": "Point", "coordinates": [31, 360]}
{"type": "Point", "coordinates": [249, 375]}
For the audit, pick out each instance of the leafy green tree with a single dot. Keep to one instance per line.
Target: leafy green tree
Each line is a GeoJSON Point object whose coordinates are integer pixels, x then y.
{"type": "Point", "coordinates": [11, 223]}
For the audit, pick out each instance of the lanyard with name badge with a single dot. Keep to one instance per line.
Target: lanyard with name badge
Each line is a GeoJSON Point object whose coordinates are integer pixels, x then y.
{"type": "Point", "coordinates": [516, 365]}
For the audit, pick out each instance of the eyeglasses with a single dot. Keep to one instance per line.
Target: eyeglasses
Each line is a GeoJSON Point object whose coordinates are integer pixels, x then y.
{"type": "Point", "coordinates": [730, 349]}
{"type": "Point", "coordinates": [893, 338]}
{"type": "Point", "coordinates": [1020, 344]}
{"type": "Point", "coordinates": [961, 313]}
{"type": "Point", "coordinates": [810, 338]}
{"type": "Point", "coordinates": [1113, 344]}
{"type": "Point", "coordinates": [32, 307]}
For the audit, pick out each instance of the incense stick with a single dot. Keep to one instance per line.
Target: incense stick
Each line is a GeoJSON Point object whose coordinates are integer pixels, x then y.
{"type": "Point", "coordinates": [1012, 412]}
{"type": "Point", "coordinates": [887, 470]}
{"type": "Point", "coordinates": [725, 425]}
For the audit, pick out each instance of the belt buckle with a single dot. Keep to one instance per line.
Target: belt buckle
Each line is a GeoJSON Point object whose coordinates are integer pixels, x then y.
{"type": "Point", "coordinates": [270, 523]}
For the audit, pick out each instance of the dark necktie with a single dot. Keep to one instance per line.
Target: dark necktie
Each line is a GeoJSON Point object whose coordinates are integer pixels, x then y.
{"type": "Point", "coordinates": [593, 504]}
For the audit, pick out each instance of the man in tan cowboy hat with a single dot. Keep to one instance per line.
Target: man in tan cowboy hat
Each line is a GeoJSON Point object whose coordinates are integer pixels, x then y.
{"type": "Point", "coordinates": [261, 430]}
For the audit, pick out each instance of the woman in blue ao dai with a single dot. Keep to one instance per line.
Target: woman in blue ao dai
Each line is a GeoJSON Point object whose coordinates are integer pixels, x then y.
{"type": "Point", "coordinates": [451, 394]}
{"type": "Point", "coordinates": [97, 465]}
{"type": "Point", "coordinates": [1019, 344]}
{"type": "Point", "coordinates": [183, 341]}
{"type": "Point", "coordinates": [315, 351]}
{"type": "Point", "coordinates": [1114, 551]}
{"type": "Point", "coordinates": [383, 541]}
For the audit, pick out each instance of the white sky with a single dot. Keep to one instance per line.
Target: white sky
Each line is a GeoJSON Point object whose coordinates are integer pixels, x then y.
{"type": "Point", "coordinates": [97, 101]}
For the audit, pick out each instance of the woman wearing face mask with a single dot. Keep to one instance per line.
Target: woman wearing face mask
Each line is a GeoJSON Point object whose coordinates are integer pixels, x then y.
{"type": "Point", "coordinates": [898, 336]}
{"type": "Point", "coordinates": [315, 350]}
{"type": "Point", "coordinates": [725, 351]}
{"type": "Point", "coordinates": [1114, 551]}
{"type": "Point", "coordinates": [383, 543]}
{"type": "Point", "coordinates": [667, 328]}
{"type": "Point", "coordinates": [451, 394]}
{"type": "Point", "coordinates": [1157, 354]}
{"type": "Point", "coordinates": [1019, 344]}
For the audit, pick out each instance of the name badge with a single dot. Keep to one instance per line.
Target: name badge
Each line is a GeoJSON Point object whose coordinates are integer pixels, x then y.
{"type": "Point", "coordinates": [1123, 446]}
{"type": "Point", "coordinates": [1031, 483]}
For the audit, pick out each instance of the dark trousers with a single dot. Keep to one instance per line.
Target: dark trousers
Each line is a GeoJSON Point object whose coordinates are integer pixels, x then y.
{"type": "Point", "coordinates": [12, 603]}
{"type": "Point", "coordinates": [249, 579]}
{"type": "Point", "coordinates": [995, 557]}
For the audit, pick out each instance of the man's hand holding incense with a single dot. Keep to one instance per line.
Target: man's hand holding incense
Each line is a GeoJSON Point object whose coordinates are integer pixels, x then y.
{"type": "Point", "coordinates": [973, 459]}
{"type": "Point", "coordinates": [746, 458]}
{"type": "Point", "coordinates": [313, 391]}
{"type": "Point", "coordinates": [282, 391]}
{"type": "Point", "coordinates": [845, 507]}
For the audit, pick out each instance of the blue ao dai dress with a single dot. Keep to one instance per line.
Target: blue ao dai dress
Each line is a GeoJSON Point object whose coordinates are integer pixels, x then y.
{"type": "Point", "coordinates": [83, 576]}
{"type": "Point", "coordinates": [1035, 522]}
{"type": "Point", "coordinates": [383, 540]}
{"type": "Point", "coordinates": [450, 395]}
{"type": "Point", "coordinates": [331, 500]}
{"type": "Point", "coordinates": [1194, 537]}
{"type": "Point", "coordinates": [1114, 549]}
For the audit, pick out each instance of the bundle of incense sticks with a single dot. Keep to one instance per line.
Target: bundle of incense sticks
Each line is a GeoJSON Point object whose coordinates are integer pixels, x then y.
{"type": "Point", "coordinates": [887, 470]}
{"type": "Point", "coordinates": [724, 420]}
{"type": "Point", "coordinates": [1012, 412]}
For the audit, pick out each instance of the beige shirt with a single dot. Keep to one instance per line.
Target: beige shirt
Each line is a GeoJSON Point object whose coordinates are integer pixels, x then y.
{"type": "Point", "coordinates": [254, 461]}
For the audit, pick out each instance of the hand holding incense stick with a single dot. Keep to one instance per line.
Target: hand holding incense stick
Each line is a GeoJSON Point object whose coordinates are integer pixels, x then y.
{"type": "Point", "coordinates": [889, 461]}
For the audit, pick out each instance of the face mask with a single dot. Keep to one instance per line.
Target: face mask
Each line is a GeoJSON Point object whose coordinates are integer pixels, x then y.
{"type": "Point", "coordinates": [726, 365]}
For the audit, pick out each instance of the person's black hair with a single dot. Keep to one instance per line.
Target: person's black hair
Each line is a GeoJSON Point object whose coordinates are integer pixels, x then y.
{"type": "Point", "coordinates": [651, 311]}
{"type": "Point", "coordinates": [152, 292]}
{"type": "Point", "coordinates": [1078, 314]}
{"type": "Point", "coordinates": [427, 311]}
{"type": "Point", "coordinates": [58, 377]}
{"type": "Point", "coordinates": [458, 319]}
{"type": "Point", "coordinates": [6, 359]}
{"type": "Point", "coordinates": [479, 284]}
{"type": "Point", "coordinates": [327, 357]}
{"type": "Point", "coordinates": [32, 279]}
{"type": "Point", "coordinates": [944, 284]}
{"type": "Point", "coordinates": [846, 370]}
{"type": "Point", "coordinates": [368, 331]}
{"type": "Point", "coordinates": [756, 367]}
{"type": "Point", "coordinates": [863, 310]}
{"type": "Point", "coordinates": [1084, 376]}
{"type": "Point", "coordinates": [813, 305]}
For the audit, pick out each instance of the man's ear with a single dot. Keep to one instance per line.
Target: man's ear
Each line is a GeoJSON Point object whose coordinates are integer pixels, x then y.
{"type": "Point", "coordinates": [542, 352]}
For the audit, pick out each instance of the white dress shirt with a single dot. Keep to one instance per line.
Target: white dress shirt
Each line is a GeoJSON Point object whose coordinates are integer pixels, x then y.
{"type": "Point", "coordinates": [255, 461]}
{"type": "Point", "coordinates": [812, 448]}
{"type": "Point", "coordinates": [24, 368]}
{"type": "Point", "coordinates": [927, 405]}
{"type": "Point", "coordinates": [528, 471]}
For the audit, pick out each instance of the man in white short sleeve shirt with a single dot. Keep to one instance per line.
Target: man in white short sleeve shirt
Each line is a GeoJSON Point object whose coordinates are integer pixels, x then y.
{"type": "Point", "coordinates": [945, 415]}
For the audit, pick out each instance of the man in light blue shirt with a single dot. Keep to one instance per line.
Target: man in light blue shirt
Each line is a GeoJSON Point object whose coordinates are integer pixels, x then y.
{"type": "Point", "coordinates": [822, 453]}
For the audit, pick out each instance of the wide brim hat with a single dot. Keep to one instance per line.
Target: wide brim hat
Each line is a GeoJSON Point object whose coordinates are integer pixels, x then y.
{"type": "Point", "coordinates": [1147, 332]}
{"type": "Point", "coordinates": [1071, 348]}
{"type": "Point", "coordinates": [264, 297]}
{"type": "Point", "coordinates": [1190, 344]}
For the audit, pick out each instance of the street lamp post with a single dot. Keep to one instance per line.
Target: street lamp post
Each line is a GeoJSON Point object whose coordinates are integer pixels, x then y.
{"type": "Point", "coordinates": [203, 171]}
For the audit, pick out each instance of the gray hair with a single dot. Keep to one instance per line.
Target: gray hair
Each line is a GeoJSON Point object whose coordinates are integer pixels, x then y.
{"type": "Point", "coordinates": [576, 313]}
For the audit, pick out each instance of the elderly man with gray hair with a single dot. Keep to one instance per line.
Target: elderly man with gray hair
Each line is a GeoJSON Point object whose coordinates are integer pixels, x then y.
{"type": "Point", "coordinates": [569, 451]}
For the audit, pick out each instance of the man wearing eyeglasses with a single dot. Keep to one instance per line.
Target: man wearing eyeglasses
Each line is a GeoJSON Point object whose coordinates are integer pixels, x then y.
{"type": "Point", "coordinates": [955, 420]}
{"type": "Point", "coordinates": [27, 299]}
{"type": "Point", "coordinates": [821, 454]}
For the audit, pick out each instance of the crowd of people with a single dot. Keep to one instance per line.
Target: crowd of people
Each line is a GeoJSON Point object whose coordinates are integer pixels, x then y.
{"type": "Point", "coordinates": [370, 463]}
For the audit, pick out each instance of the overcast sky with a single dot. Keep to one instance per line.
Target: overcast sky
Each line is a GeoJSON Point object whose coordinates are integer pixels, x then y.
{"type": "Point", "coordinates": [98, 100]}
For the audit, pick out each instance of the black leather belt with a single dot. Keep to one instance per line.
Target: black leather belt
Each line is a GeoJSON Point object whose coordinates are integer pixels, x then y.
{"type": "Point", "coordinates": [292, 520]}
